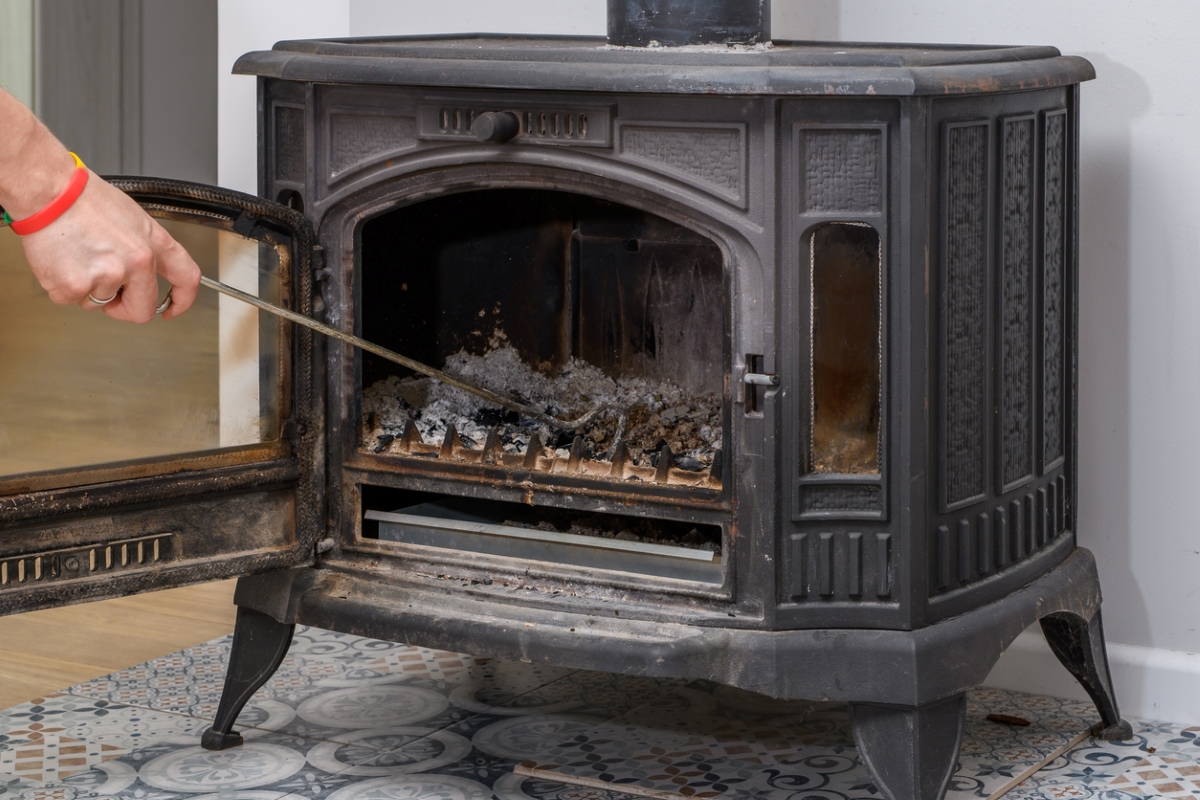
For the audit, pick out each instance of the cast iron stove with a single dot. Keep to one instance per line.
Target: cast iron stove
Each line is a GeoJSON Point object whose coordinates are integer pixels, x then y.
{"type": "Point", "coordinates": [826, 293]}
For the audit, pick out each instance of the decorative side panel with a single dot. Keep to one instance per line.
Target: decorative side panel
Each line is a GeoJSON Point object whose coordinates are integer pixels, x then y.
{"type": "Point", "coordinates": [844, 566]}
{"type": "Point", "coordinates": [964, 314]}
{"type": "Point", "coordinates": [289, 144]}
{"type": "Point", "coordinates": [356, 140]}
{"type": "Point", "coordinates": [1016, 302]}
{"type": "Point", "coordinates": [797, 582]}
{"type": "Point", "coordinates": [841, 500]}
{"type": "Point", "coordinates": [1054, 289]}
{"type": "Point", "coordinates": [711, 158]}
{"type": "Point", "coordinates": [841, 171]}
{"type": "Point", "coordinates": [970, 548]}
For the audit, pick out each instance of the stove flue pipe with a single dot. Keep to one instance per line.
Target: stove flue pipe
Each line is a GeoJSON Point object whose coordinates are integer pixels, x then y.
{"type": "Point", "coordinates": [672, 23]}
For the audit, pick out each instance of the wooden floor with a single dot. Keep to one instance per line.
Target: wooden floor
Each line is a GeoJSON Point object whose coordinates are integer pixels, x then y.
{"type": "Point", "coordinates": [44, 651]}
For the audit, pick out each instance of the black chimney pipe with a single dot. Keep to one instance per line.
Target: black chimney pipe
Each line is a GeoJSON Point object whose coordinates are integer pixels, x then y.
{"type": "Point", "coordinates": [637, 23]}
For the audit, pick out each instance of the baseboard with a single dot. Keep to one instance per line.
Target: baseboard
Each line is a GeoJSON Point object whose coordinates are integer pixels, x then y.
{"type": "Point", "coordinates": [1151, 683]}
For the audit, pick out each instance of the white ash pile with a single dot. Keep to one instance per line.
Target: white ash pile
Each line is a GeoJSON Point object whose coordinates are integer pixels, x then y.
{"type": "Point", "coordinates": [657, 412]}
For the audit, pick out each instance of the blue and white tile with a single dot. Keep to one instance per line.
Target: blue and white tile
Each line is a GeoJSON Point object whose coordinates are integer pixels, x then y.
{"type": "Point", "coordinates": [329, 687]}
{"type": "Point", "coordinates": [348, 718]}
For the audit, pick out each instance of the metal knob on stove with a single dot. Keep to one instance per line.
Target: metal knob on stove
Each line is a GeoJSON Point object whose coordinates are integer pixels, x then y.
{"type": "Point", "coordinates": [496, 126]}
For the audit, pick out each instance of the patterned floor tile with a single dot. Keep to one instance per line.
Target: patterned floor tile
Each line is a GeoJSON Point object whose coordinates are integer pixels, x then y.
{"type": "Point", "coordinates": [329, 687]}
{"type": "Point", "coordinates": [150, 755]}
{"type": "Point", "coordinates": [348, 718]}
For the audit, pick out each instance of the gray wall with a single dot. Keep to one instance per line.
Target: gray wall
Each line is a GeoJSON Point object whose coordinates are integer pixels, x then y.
{"type": "Point", "coordinates": [131, 85]}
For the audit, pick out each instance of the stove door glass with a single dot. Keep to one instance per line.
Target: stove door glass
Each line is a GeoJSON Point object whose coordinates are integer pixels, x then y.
{"type": "Point", "coordinates": [135, 457]}
{"type": "Point", "coordinates": [845, 264]}
{"type": "Point", "coordinates": [79, 389]}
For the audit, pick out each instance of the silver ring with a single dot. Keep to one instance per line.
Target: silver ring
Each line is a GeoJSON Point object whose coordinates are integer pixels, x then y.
{"type": "Point", "coordinates": [166, 303]}
{"type": "Point", "coordinates": [98, 302]}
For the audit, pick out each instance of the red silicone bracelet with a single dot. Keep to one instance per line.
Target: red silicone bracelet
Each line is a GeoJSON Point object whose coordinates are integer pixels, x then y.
{"type": "Point", "coordinates": [58, 205]}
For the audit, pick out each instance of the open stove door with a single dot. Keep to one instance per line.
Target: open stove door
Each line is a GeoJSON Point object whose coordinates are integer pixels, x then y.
{"type": "Point", "coordinates": [135, 458]}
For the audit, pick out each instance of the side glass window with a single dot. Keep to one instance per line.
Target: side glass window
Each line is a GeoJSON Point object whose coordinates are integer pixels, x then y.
{"type": "Point", "coordinates": [78, 389]}
{"type": "Point", "coordinates": [845, 346]}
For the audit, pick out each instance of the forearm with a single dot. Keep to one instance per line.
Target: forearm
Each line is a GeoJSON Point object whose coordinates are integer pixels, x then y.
{"type": "Point", "coordinates": [103, 251]}
{"type": "Point", "coordinates": [34, 166]}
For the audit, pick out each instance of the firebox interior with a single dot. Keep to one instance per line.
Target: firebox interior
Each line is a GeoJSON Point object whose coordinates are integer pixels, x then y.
{"type": "Point", "coordinates": [558, 299]}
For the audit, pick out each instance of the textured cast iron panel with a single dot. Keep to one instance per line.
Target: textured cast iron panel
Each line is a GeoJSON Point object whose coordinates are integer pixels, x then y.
{"type": "Point", "coordinates": [964, 316]}
{"type": "Point", "coordinates": [840, 565]}
{"type": "Point", "coordinates": [711, 158]}
{"type": "Point", "coordinates": [289, 144]}
{"type": "Point", "coordinates": [835, 499]}
{"type": "Point", "coordinates": [356, 139]}
{"type": "Point", "coordinates": [798, 579]}
{"type": "Point", "coordinates": [977, 545]}
{"type": "Point", "coordinates": [1053, 291]}
{"type": "Point", "coordinates": [842, 171]}
{"type": "Point", "coordinates": [883, 565]}
{"type": "Point", "coordinates": [1016, 303]}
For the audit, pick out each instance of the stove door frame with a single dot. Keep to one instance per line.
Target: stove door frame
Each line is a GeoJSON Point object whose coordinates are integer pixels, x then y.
{"type": "Point", "coordinates": [87, 533]}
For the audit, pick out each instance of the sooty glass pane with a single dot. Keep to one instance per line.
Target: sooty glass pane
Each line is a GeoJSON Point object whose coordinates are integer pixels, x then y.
{"type": "Point", "coordinates": [845, 263]}
{"type": "Point", "coordinates": [79, 389]}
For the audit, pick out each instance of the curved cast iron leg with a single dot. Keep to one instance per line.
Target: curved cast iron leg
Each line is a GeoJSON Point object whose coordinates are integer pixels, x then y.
{"type": "Point", "coordinates": [911, 750]}
{"type": "Point", "coordinates": [1079, 645]}
{"type": "Point", "coordinates": [259, 645]}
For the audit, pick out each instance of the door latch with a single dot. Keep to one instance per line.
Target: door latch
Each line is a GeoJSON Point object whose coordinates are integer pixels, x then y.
{"type": "Point", "coordinates": [754, 378]}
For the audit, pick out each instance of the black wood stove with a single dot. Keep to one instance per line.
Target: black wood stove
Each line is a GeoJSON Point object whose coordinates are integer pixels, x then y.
{"type": "Point", "coordinates": [824, 296]}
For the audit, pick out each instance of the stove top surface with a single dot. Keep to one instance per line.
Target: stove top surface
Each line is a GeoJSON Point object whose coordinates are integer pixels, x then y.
{"type": "Point", "coordinates": [548, 63]}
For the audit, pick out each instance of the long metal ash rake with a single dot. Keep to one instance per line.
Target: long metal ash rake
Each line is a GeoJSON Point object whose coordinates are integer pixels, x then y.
{"type": "Point", "coordinates": [404, 361]}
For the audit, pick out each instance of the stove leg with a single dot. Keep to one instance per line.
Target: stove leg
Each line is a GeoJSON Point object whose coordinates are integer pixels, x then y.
{"type": "Point", "coordinates": [259, 645]}
{"type": "Point", "coordinates": [1079, 645]}
{"type": "Point", "coordinates": [911, 751]}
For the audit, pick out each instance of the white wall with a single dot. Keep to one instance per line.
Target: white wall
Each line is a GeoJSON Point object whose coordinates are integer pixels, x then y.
{"type": "Point", "coordinates": [1140, 266]}
{"type": "Point", "coordinates": [244, 25]}
{"type": "Point", "coordinates": [16, 49]}
{"type": "Point", "coordinates": [393, 17]}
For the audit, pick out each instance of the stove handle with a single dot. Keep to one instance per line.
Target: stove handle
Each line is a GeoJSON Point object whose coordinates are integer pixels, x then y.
{"type": "Point", "coordinates": [496, 126]}
{"type": "Point", "coordinates": [753, 378]}
{"type": "Point", "coordinates": [760, 379]}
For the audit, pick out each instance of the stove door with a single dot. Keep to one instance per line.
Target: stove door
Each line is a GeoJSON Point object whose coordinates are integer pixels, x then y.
{"type": "Point", "coordinates": [140, 457]}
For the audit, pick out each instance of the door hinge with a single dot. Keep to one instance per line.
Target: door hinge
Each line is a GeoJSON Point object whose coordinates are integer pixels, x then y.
{"type": "Point", "coordinates": [321, 271]}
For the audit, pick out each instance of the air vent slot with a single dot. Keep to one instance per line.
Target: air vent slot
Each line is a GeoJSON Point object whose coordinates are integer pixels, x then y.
{"type": "Point", "coordinates": [81, 562]}
{"type": "Point", "coordinates": [578, 125]}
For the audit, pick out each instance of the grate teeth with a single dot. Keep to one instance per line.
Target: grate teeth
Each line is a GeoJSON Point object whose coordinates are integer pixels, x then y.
{"type": "Point", "coordinates": [665, 460]}
{"type": "Point", "coordinates": [618, 466]}
{"type": "Point", "coordinates": [493, 450]}
{"type": "Point", "coordinates": [411, 437]}
{"type": "Point", "coordinates": [532, 450]}
{"type": "Point", "coordinates": [450, 442]}
{"type": "Point", "coordinates": [576, 455]}
{"type": "Point", "coordinates": [714, 473]}
{"type": "Point", "coordinates": [619, 456]}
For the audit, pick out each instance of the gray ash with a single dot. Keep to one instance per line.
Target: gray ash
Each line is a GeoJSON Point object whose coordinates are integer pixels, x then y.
{"type": "Point", "coordinates": [656, 411]}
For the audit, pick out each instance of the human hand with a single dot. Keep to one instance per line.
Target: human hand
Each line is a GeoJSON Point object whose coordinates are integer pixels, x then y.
{"type": "Point", "coordinates": [106, 245]}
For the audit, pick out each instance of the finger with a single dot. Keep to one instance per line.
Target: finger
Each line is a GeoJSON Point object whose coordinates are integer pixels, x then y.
{"type": "Point", "coordinates": [138, 301]}
{"type": "Point", "coordinates": [99, 298]}
{"type": "Point", "coordinates": [181, 272]}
